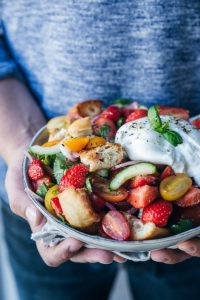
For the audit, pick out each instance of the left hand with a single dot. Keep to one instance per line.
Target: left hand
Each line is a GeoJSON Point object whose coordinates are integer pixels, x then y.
{"type": "Point", "coordinates": [185, 250]}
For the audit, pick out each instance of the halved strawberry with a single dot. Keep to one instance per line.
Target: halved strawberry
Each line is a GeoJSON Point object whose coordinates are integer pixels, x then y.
{"type": "Point", "coordinates": [168, 171]}
{"type": "Point", "coordinates": [191, 198]}
{"type": "Point", "coordinates": [35, 170]}
{"type": "Point", "coordinates": [173, 111]}
{"type": "Point", "coordinates": [157, 212]}
{"type": "Point", "coordinates": [56, 205]}
{"type": "Point", "coordinates": [137, 114]}
{"type": "Point", "coordinates": [112, 112]}
{"type": "Point", "coordinates": [141, 180]}
{"type": "Point", "coordinates": [141, 197]}
{"type": "Point", "coordinates": [196, 123]}
{"type": "Point", "coordinates": [104, 127]}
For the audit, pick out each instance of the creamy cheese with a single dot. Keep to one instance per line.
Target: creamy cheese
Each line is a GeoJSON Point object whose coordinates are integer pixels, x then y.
{"type": "Point", "coordinates": [141, 142]}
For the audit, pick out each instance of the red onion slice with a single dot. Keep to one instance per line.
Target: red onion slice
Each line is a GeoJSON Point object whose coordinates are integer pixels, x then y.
{"type": "Point", "coordinates": [125, 164]}
{"type": "Point", "coordinates": [110, 206]}
{"type": "Point", "coordinates": [132, 210]}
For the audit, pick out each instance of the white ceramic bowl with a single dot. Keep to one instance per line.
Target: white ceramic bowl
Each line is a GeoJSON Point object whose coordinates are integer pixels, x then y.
{"type": "Point", "coordinates": [97, 241]}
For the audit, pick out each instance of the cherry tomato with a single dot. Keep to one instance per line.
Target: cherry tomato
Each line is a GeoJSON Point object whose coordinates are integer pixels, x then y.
{"type": "Point", "coordinates": [173, 111]}
{"type": "Point", "coordinates": [101, 188]}
{"type": "Point", "coordinates": [175, 186]}
{"type": "Point", "coordinates": [104, 127]}
{"type": "Point", "coordinates": [116, 226]}
{"type": "Point", "coordinates": [196, 123]}
{"type": "Point", "coordinates": [168, 171]}
{"type": "Point", "coordinates": [137, 114]}
{"type": "Point", "coordinates": [112, 113]}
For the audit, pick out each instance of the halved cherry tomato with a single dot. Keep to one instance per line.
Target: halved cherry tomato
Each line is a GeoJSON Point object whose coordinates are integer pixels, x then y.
{"type": "Point", "coordinates": [77, 144]}
{"type": "Point", "coordinates": [168, 171]}
{"type": "Point", "coordinates": [173, 111]}
{"type": "Point", "coordinates": [101, 188]}
{"type": "Point", "coordinates": [104, 127]}
{"type": "Point", "coordinates": [95, 142]}
{"type": "Point", "coordinates": [174, 187]}
{"type": "Point", "coordinates": [116, 226]}
{"type": "Point", "coordinates": [196, 123]}
{"type": "Point", "coordinates": [112, 112]}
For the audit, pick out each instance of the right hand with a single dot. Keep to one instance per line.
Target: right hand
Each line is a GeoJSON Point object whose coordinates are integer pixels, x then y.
{"type": "Point", "coordinates": [69, 249]}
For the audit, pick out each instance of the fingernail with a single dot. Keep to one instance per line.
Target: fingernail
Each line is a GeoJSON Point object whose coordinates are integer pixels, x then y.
{"type": "Point", "coordinates": [31, 215]}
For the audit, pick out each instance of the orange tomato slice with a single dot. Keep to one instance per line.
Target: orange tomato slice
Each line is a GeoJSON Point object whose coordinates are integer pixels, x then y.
{"type": "Point", "coordinates": [95, 142]}
{"type": "Point", "coordinates": [52, 143]}
{"type": "Point", "coordinates": [76, 144]}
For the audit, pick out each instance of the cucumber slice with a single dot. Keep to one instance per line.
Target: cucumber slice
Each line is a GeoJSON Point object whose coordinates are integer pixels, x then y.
{"type": "Point", "coordinates": [36, 149]}
{"type": "Point", "coordinates": [130, 172]}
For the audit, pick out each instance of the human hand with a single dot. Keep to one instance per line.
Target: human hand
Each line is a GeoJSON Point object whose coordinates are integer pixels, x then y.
{"type": "Point", "coordinates": [69, 249]}
{"type": "Point", "coordinates": [185, 250]}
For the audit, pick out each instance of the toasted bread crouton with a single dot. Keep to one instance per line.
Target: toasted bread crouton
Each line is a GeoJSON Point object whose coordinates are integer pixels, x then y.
{"type": "Point", "coordinates": [102, 157]}
{"type": "Point", "coordinates": [80, 127]}
{"type": "Point", "coordinates": [77, 208]}
{"type": "Point", "coordinates": [144, 231]}
{"type": "Point", "coordinates": [89, 108]}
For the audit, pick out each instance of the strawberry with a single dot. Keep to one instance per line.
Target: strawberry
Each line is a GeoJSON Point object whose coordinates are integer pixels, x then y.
{"type": "Point", "coordinates": [112, 113]}
{"type": "Point", "coordinates": [157, 212]}
{"type": "Point", "coordinates": [46, 179]}
{"type": "Point", "coordinates": [142, 196]}
{"type": "Point", "coordinates": [127, 111]}
{"type": "Point", "coordinates": [173, 111]}
{"type": "Point", "coordinates": [55, 203]}
{"type": "Point", "coordinates": [191, 198]}
{"type": "Point", "coordinates": [141, 180]}
{"type": "Point", "coordinates": [35, 170]}
{"type": "Point", "coordinates": [75, 176]}
{"type": "Point", "coordinates": [196, 123]}
{"type": "Point", "coordinates": [137, 114]}
{"type": "Point", "coordinates": [168, 171]}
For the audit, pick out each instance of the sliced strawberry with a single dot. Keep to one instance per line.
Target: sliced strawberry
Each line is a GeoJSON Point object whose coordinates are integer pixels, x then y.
{"type": "Point", "coordinates": [56, 205]}
{"type": "Point", "coordinates": [196, 123]}
{"type": "Point", "coordinates": [104, 127]}
{"type": "Point", "coordinates": [141, 180]}
{"type": "Point", "coordinates": [141, 197]}
{"type": "Point", "coordinates": [97, 203]}
{"type": "Point", "coordinates": [75, 176]}
{"type": "Point", "coordinates": [116, 226]}
{"type": "Point", "coordinates": [112, 113]}
{"type": "Point", "coordinates": [157, 212]}
{"type": "Point", "coordinates": [174, 111]}
{"type": "Point", "coordinates": [127, 111]}
{"type": "Point", "coordinates": [191, 198]}
{"type": "Point", "coordinates": [35, 170]}
{"type": "Point", "coordinates": [168, 171]}
{"type": "Point", "coordinates": [137, 114]}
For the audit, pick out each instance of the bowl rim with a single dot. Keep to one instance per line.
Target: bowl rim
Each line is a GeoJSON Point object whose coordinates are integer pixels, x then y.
{"type": "Point", "coordinates": [94, 238]}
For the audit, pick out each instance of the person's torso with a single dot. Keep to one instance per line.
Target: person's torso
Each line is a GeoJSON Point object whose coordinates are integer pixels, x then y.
{"type": "Point", "coordinates": [148, 50]}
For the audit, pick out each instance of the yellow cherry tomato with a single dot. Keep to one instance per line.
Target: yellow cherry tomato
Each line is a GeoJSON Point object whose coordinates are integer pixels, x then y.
{"type": "Point", "coordinates": [52, 143]}
{"type": "Point", "coordinates": [95, 142]}
{"type": "Point", "coordinates": [174, 187]}
{"type": "Point", "coordinates": [77, 144]}
{"type": "Point", "coordinates": [52, 192]}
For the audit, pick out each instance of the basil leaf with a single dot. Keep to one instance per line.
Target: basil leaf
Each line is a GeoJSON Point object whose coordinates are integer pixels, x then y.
{"type": "Point", "coordinates": [104, 131]}
{"type": "Point", "coordinates": [42, 190]}
{"type": "Point", "coordinates": [120, 122]}
{"type": "Point", "coordinates": [123, 101]}
{"type": "Point", "coordinates": [154, 117]}
{"type": "Point", "coordinates": [60, 166]}
{"type": "Point", "coordinates": [172, 137]}
{"type": "Point", "coordinates": [88, 184]}
{"type": "Point", "coordinates": [183, 225]}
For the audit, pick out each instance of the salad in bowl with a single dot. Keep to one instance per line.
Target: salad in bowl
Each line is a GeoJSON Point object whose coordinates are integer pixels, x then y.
{"type": "Point", "coordinates": [123, 174]}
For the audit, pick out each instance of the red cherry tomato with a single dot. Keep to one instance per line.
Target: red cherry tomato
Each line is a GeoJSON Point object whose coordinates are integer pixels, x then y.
{"type": "Point", "coordinates": [116, 226]}
{"type": "Point", "coordinates": [102, 122]}
{"type": "Point", "coordinates": [196, 123]}
{"type": "Point", "coordinates": [112, 113]}
{"type": "Point", "coordinates": [137, 114]}
{"type": "Point", "coordinates": [173, 111]}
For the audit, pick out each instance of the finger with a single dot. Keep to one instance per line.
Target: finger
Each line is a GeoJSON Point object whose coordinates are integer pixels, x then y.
{"type": "Point", "coordinates": [119, 259]}
{"type": "Point", "coordinates": [20, 204]}
{"type": "Point", "coordinates": [169, 256]}
{"type": "Point", "coordinates": [191, 247]}
{"type": "Point", "coordinates": [93, 256]}
{"type": "Point", "coordinates": [56, 255]}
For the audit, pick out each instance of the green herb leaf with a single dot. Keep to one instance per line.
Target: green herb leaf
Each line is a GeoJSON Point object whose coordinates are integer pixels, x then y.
{"type": "Point", "coordinates": [60, 166]}
{"type": "Point", "coordinates": [104, 131]}
{"type": "Point", "coordinates": [173, 137]}
{"type": "Point", "coordinates": [154, 117]}
{"type": "Point", "coordinates": [42, 190]}
{"type": "Point", "coordinates": [61, 218]}
{"type": "Point", "coordinates": [120, 122]}
{"type": "Point", "coordinates": [123, 101]}
{"type": "Point", "coordinates": [88, 184]}
{"type": "Point", "coordinates": [183, 225]}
